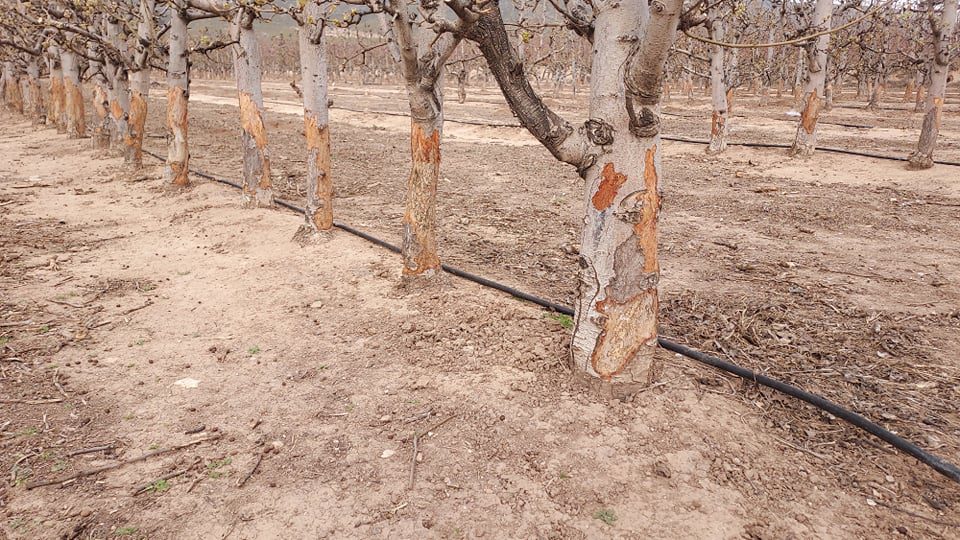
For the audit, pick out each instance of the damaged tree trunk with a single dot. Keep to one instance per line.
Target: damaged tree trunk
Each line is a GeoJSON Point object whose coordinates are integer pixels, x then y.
{"type": "Point", "coordinates": [37, 110]}
{"type": "Point", "coordinates": [11, 87]}
{"type": "Point", "coordinates": [141, 86]}
{"type": "Point", "coordinates": [806, 140]}
{"type": "Point", "coordinates": [177, 166]}
{"type": "Point", "coordinates": [617, 151]}
{"type": "Point", "coordinates": [719, 125]}
{"type": "Point", "coordinates": [119, 91]}
{"type": "Point", "coordinates": [422, 63]}
{"type": "Point", "coordinates": [76, 116]}
{"type": "Point", "coordinates": [257, 185]}
{"type": "Point", "coordinates": [101, 103]}
{"type": "Point", "coordinates": [57, 108]}
{"type": "Point", "coordinates": [313, 68]}
{"type": "Point", "coordinates": [942, 31]}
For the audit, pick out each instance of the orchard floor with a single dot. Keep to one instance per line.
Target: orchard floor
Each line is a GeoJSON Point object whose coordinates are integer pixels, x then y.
{"type": "Point", "coordinates": [140, 319]}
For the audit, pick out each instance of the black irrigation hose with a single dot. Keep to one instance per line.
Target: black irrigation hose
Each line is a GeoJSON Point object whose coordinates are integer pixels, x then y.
{"type": "Point", "coordinates": [833, 149]}
{"type": "Point", "coordinates": [943, 467]}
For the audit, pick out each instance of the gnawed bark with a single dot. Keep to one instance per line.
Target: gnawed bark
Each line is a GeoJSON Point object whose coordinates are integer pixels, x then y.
{"type": "Point", "coordinates": [12, 93]}
{"type": "Point", "coordinates": [313, 68]}
{"type": "Point", "coordinates": [257, 184]}
{"type": "Point", "coordinates": [805, 141]}
{"type": "Point", "coordinates": [76, 116]}
{"type": "Point", "coordinates": [419, 247]}
{"type": "Point", "coordinates": [719, 125]}
{"type": "Point", "coordinates": [141, 86]}
{"type": "Point", "coordinates": [57, 109]}
{"type": "Point", "coordinates": [942, 31]}
{"type": "Point", "coordinates": [422, 62]}
{"type": "Point", "coordinates": [101, 103]}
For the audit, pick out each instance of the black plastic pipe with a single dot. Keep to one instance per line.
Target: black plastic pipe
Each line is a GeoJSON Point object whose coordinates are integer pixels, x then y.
{"type": "Point", "coordinates": [943, 467]}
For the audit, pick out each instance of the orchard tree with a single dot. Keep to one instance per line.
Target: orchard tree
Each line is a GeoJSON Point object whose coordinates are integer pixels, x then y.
{"type": "Point", "coordinates": [942, 27]}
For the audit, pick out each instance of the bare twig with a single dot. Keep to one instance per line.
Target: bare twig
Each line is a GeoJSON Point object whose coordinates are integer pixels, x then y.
{"type": "Point", "coordinates": [167, 476]}
{"type": "Point", "coordinates": [256, 465]}
{"type": "Point", "coordinates": [142, 457]}
{"type": "Point", "coordinates": [91, 450]}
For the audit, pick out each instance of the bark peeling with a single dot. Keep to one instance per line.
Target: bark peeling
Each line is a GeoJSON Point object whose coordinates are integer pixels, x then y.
{"type": "Point", "coordinates": [419, 218]}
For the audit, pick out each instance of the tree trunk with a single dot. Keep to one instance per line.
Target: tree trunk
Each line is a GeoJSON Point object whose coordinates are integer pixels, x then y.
{"type": "Point", "coordinates": [76, 116]}
{"type": "Point", "coordinates": [875, 91]}
{"type": "Point", "coordinates": [141, 86]}
{"type": "Point", "coordinates": [176, 169]}
{"type": "Point", "coordinates": [37, 110]}
{"type": "Point", "coordinates": [11, 83]}
{"type": "Point", "coordinates": [719, 124]}
{"type": "Point", "coordinates": [806, 139]}
{"type": "Point", "coordinates": [616, 326]}
{"type": "Point", "coordinates": [257, 185]}
{"type": "Point", "coordinates": [313, 69]}
{"type": "Point", "coordinates": [57, 108]}
{"type": "Point", "coordinates": [942, 32]}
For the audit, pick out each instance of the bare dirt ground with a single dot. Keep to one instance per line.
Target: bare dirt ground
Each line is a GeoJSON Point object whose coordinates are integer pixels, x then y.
{"type": "Point", "coordinates": [138, 320]}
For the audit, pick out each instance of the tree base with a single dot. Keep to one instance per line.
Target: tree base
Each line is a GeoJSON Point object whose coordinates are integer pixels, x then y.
{"type": "Point", "coordinates": [620, 389]}
{"type": "Point", "coordinates": [919, 162]}
{"type": "Point", "coordinates": [307, 235]}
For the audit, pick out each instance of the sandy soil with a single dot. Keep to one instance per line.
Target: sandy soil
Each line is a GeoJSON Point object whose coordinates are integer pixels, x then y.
{"type": "Point", "coordinates": [138, 320]}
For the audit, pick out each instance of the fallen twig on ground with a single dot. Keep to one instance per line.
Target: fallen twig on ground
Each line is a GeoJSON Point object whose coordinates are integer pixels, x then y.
{"type": "Point", "coordinates": [256, 465]}
{"type": "Point", "coordinates": [167, 476]}
{"type": "Point", "coordinates": [143, 457]}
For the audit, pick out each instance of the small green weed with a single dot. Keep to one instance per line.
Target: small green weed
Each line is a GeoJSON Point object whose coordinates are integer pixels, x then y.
{"type": "Point", "coordinates": [565, 321]}
{"type": "Point", "coordinates": [605, 515]}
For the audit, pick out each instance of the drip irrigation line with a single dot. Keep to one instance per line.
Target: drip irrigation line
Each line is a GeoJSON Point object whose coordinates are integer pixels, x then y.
{"type": "Point", "coordinates": [938, 464]}
{"type": "Point", "coordinates": [833, 149]}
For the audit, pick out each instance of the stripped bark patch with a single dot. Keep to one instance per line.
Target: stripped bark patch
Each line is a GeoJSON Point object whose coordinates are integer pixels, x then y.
{"type": "Point", "coordinates": [419, 219]}
{"type": "Point", "coordinates": [319, 183]}
{"type": "Point", "coordinates": [811, 112]}
{"type": "Point", "coordinates": [610, 183]}
{"type": "Point", "coordinates": [178, 155]}
{"type": "Point", "coordinates": [251, 120]}
{"type": "Point", "coordinates": [646, 229]}
{"type": "Point", "coordinates": [627, 330]}
{"type": "Point", "coordinates": [138, 120]}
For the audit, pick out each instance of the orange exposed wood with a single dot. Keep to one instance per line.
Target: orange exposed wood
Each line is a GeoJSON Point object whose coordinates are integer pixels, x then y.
{"type": "Point", "coordinates": [419, 237]}
{"type": "Point", "coordinates": [136, 126]}
{"type": "Point", "coordinates": [251, 120]}
{"type": "Point", "coordinates": [627, 329]}
{"type": "Point", "coordinates": [177, 122]}
{"type": "Point", "coordinates": [610, 183]}
{"type": "Point", "coordinates": [424, 149]}
{"type": "Point", "coordinates": [716, 124]}
{"type": "Point", "coordinates": [646, 229]}
{"type": "Point", "coordinates": [76, 112]}
{"type": "Point", "coordinates": [811, 112]}
{"type": "Point", "coordinates": [318, 146]}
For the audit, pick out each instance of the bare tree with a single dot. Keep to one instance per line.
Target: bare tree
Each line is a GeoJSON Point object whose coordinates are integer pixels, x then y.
{"type": "Point", "coordinates": [617, 151]}
{"type": "Point", "coordinates": [942, 27]}
{"type": "Point", "coordinates": [806, 140]}
{"type": "Point", "coordinates": [313, 69]}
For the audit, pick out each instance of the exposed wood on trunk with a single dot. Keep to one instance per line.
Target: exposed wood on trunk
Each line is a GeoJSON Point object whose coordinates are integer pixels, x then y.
{"type": "Point", "coordinates": [101, 103]}
{"type": "Point", "coordinates": [422, 59]}
{"type": "Point", "coordinates": [141, 85]}
{"type": "Point", "coordinates": [57, 108]}
{"type": "Point", "coordinates": [313, 67]}
{"type": "Point", "coordinates": [257, 184]}
{"type": "Point", "coordinates": [719, 126]}
{"type": "Point", "coordinates": [73, 97]}
{"type": "Point", "coordinates": [942, 29]}
{"type": "Point", "coordinates": [176, 168]}
{"type": "Point", "coordinates": [805, 141]}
